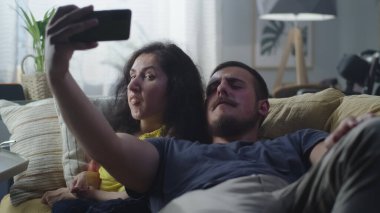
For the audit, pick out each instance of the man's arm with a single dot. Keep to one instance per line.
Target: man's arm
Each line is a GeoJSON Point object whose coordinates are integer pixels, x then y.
{"type": "Point", "coordinates": [130, 161]}
{"type": "Point", "coordinates": [317, 152]}
{"type": "Point", "coordinates": [344, 127]}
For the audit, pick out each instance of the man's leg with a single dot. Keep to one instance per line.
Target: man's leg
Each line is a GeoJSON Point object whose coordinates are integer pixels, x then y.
{"type": "Point", "coordinates": [244, 194]}
{"type": "Point", "coordinates": [348, 177]}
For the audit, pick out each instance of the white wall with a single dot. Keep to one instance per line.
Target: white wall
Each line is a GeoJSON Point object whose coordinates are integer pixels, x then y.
{"type": "Point", "coordinates": [355, 29]}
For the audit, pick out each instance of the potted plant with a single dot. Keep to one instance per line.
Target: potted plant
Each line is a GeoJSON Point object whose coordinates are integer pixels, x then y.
{"type": "Point", "coordinates": [35, 84]}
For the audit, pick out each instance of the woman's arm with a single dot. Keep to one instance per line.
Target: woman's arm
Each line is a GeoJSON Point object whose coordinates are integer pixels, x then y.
{"type": "Point", "coordinates": [118, 153]}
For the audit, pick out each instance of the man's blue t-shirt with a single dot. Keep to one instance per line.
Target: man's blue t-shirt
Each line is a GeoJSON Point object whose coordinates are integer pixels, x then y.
{"type": "Point", "coordinates": [185, 166]}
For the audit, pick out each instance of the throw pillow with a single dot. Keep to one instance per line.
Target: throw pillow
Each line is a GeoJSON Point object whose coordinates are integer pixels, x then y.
{"type": "Point", "coordinates": [354, 105]}
{"type": "Point", "coordinates": [310, 110]}
{"type": "Point", "coordinates": [35, 129]}
{"type": "Point", "coordinates": [29, 206]}
{"type": "Point", "coordinates": [74, 159]}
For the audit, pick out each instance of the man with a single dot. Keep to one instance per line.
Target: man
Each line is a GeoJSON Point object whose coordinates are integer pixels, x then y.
{"type": "Point", "coordinates": [166, 168]}
{"type": "Point", "coordinates": [237, 104]}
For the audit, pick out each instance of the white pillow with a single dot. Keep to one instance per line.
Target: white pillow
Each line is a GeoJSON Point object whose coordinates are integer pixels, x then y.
{"type": "Point", "coordinates": [74, 159]}
{"type": "Point", "coordinates": [35, 129]}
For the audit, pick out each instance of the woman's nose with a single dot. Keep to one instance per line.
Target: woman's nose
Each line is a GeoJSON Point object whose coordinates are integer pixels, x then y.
{"type": "Point", "coordinates": [134, 84]}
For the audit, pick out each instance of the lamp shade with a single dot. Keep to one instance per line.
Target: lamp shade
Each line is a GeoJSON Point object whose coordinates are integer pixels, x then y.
{"type": "Point", "coordinates": [297, 10]}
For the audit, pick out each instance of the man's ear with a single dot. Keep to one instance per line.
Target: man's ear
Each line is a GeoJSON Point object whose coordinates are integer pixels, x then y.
{"type": "Point", "coordinates": [264, 107]}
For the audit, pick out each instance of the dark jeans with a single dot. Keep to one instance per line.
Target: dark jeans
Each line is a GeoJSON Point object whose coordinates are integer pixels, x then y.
{"type": "Point", "coordinates": [110, 206]}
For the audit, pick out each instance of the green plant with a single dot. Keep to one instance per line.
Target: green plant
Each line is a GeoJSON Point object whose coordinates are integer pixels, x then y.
{"type": "Point", "coordinates": [37, 30]}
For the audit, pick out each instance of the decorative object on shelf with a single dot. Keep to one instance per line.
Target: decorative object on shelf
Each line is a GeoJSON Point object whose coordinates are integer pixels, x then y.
{"type": "Point", "coordinates": [35, 83]}
{"type": "Point", "coordinates": [362, 72]}
{"type": "Point", "coordinates": [295, 11]}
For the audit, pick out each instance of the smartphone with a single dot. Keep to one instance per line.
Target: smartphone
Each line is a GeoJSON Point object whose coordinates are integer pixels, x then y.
{"type": "Point", "coordinates": [113, 25]}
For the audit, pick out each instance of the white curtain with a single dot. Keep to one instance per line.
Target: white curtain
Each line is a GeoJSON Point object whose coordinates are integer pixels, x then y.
{"type": "Point", "coordinates": [8, 41]}
{"type": "Point", "coordinates": [192, 24]}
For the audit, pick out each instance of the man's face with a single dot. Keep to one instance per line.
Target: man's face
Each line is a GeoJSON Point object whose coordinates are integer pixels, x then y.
{"type": "Point", "coordinates": [232, 106]}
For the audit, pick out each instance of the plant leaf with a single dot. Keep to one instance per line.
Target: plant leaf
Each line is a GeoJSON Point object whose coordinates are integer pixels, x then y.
{"type": "Point", "coordinates": [37, 30]}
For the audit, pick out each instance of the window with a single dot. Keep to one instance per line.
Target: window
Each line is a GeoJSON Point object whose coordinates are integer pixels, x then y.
{"type": "Point", "coordinates": [190, 24]}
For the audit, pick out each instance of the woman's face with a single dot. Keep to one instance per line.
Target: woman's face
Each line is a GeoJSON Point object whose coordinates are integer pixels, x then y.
{"type": "Point", "coordinates": [147, 89]}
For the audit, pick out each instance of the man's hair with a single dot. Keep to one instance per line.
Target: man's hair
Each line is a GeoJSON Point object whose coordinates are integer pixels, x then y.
{"type": "Point", "coordinates": [260, 85]}
{"type": "Point", "coordinates": [184, 116]}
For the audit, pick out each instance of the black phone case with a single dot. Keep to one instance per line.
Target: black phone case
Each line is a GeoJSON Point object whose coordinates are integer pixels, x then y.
{"type": "Point", "coordinates": [113, 25]}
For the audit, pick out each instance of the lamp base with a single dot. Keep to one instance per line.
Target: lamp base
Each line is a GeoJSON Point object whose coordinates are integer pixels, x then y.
{"type": "Point", "coordinates": [294, 40]}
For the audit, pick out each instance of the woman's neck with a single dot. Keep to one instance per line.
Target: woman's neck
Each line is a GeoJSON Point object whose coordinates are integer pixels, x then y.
{"type": "Point", "coordinates": [150, 125]}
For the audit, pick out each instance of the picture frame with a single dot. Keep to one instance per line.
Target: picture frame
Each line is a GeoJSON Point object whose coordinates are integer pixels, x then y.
{"type": "Point", "coordinates": [270, 40]}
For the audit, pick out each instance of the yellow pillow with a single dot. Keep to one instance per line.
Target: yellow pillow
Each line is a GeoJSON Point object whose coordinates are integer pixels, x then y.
{"type": "Point", "coordinates": [30, 206]}
{"type": "Point", "coordinates": [310, 110]}
{"type": "Point", "coordinates": [354, 105]}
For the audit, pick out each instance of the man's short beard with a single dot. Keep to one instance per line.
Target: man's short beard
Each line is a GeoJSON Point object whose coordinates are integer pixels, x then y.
{"type": "Point", "coordinates": [230, 127]}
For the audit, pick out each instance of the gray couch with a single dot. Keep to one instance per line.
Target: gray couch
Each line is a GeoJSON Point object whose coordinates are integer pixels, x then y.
{"type": "Point", "coordinates": [323, 110]}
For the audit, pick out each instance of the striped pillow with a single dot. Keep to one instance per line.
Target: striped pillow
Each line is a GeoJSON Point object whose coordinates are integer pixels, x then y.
{"type": "Point", "coordinates": [36, 130]}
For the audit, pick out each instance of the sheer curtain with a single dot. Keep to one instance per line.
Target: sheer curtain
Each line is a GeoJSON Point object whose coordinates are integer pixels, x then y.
{"type": "Point", "coordinates": [190, 24]}
{"type": "Point", "coordinates": [8, 41]}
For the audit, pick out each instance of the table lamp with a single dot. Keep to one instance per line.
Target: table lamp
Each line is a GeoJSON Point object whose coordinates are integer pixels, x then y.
{"type": "Point", "coordinates": [295, 11]}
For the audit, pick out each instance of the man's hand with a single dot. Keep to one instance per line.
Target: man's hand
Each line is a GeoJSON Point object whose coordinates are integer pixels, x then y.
{"type": "Point", "coordinates": [344, 127]}
{"type": "Point", "coordinates": [51, 197]}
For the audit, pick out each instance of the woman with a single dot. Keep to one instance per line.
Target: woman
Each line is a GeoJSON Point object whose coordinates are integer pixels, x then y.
{"type": "Point", "coordinates": [182, 113]}
{"type": "Point", "coordinates": [160, 94]}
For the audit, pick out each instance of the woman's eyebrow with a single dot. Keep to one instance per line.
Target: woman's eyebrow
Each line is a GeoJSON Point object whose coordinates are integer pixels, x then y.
{"type": "Point", "coordinates": [143, 69]}
{"type": "Point", "coordinates": [150, 67]}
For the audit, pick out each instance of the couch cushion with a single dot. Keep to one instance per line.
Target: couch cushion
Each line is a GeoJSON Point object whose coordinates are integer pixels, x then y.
{"type": "Point", "coordinates": [354, 105]}
{"type": "Point", "coordinates": [35, 129]}
{"type": "Point", "coordinates": [310, 110]}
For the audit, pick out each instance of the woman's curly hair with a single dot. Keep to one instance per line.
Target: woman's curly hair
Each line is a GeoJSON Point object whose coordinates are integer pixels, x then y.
{"type": "Point", "coordinates": [185, 115]}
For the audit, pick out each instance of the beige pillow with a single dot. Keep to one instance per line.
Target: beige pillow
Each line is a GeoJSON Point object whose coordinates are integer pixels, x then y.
{"type": "Point", "coordinates": [354, 105]}
{"type": "Point", "coordinates": [310, 110]}
{"type": "Point", "coordinates": [35, 129]}
{"type": "Point", "coordinates": [74, 159]}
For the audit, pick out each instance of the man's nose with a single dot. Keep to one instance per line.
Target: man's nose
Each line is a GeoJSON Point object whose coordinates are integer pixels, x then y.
{"type": "Point", "coordinates": [222, 88]}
